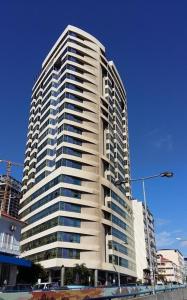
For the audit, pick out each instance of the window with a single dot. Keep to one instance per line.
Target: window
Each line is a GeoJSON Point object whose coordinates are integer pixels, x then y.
{"type": "Point", "coordinates": [70, 253]}
{"type": "Point", "coordinates": [69, 128]}
{"type": "Point", "coordinates": [69, 237]}
{"type": "Point", "coordinates": [113, 259]}
{"type": "Point", "coordinates": [58, 206]}
{"type": "Point", "coordinates": [68, 163]}
{"type": "Point", "coordinates": [70, 151]}
{"type": "Point", "coordinates": [117, 209]}
{"type": "Point", "coordinates": [72, 128]}
{"type": "Point", "coordinates": [70, 207]}
{"type": "Point", "coordinates": [119, 235]}
{"type": "Point", "coordinates": [71, 193]}
{"type": "Point", "coordinates": [39, 228]}
{"type": "Point", "coordinates": [65, 221]}
{"type": "Point", "coordinates": [118, 247]}
{"type": "Point", "coordinates": [119, 222]}
{"type": "Point", "coordinates": [70, 117]}
{"type": "Point", "coordinates": [51, 238]}
{"type": "Point", "coordinates": [118, 198]}
{"type": "Point", "coordinates": [69, 139]}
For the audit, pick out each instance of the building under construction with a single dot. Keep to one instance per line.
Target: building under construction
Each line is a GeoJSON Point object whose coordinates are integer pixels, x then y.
{"type": "Point", "coordinates": [10, 193]}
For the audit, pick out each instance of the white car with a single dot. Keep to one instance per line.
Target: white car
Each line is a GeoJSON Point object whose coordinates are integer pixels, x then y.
{"type": "Point", "coordinates": [45, 286]}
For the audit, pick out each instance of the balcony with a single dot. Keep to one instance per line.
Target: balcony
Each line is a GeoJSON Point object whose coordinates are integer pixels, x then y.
{"type": "Point", "coordinates": [10, 248]}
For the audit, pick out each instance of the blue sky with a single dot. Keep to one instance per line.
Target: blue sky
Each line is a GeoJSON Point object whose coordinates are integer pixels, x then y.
{"type": "Point", "coordinates": [148, 42]}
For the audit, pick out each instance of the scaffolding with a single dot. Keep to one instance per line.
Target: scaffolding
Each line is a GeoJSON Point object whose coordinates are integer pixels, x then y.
{"type": "Point", "coordinates": [7, 182]}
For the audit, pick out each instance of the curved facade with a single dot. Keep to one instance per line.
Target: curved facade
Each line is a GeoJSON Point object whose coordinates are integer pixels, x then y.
{"type": "Point", "coordinates": [77, 147]}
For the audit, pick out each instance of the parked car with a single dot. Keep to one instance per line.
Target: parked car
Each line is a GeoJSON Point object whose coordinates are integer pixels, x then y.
{"type": "Point", "coordinates": [16, 288]}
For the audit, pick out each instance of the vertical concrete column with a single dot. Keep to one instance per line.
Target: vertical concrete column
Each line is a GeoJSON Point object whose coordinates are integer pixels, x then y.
{"type": "Point", "coordinates": [12, 275]}
{"type": "Point", "coordinates": [95, 277]}
{"type": "Point", "coordinates": [62, 273]}
{"type": "Point", "coordinates": [50, 276]}
{"type": "Point", "coordinates": [106, 278]}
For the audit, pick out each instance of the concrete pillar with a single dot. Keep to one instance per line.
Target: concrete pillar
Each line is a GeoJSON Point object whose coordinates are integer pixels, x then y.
{"type": "Point", "coordinates": [106, 278]}
{"type": "Point", "coordinates": [95, 277]}
{"type": "Point", "coordinates": [0, 272]}
{"type": "Point", "coordinates": [12, 275]}
{"type": "Point", "coordinates": [62, 273]}
{"type": "Point", "coordinates": [50, 276]}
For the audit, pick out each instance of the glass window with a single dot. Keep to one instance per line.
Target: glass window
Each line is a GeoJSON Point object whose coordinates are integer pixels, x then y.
{"type": "Point", "coordinates": [65, 221]}
{"type": "Point", "coordinates": [119, 235]}
{"type": "Point", "coordinates": [39, 228]}
{"type": "Point", "coordinates": [69, 139]}
{"type": "Point", "coordinates": [68, 163]}
{"type": "Point", "coordinates": [122, 261]}
{"type": "Point", "coordinates": [69, 253]}
{"type": "Point", "coordinates": [119, 222]}
{"type": "Point", "coordinates": [69, 237]}
{"type": "Point", "coordinates": [51, 238]}
{"type": "Point", "coordinates": [71, 151]}
{"type": "Point", "coordinates": [71, 193]}
{"type": "Point", "coordinates": [58, 206]}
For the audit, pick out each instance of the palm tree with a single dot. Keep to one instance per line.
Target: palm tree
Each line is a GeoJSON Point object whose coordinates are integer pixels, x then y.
{"type": "Point", "coordinates": [79, 274]}
{"type": "Point", "coordinates": [82, 274]}
{"type": "Point", "coordinates": [162, 278]}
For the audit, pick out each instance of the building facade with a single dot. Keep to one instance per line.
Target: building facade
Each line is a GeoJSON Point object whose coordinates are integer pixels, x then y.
{"type": "Point", "coordinates": [175, 257]}
{"type": "Point", "coordinates": [12, 197]}
{"type": "Point", "coordinates": [10, 232]}
{"type": "Point", "coordinates": [185, 269]}
{"type": "Point", "coordinates": [77, 147]}
{"type": "Point", "coordinates": [143, 260]}
{"type": "Point", "coordinates": [167, 271]}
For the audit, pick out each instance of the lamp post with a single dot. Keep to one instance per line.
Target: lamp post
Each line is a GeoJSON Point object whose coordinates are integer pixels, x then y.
{"type": "Point", "coordinates": [166, 174]}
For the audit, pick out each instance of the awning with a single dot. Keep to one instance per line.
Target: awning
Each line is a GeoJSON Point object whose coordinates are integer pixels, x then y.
{"type": "Point", "coordinates": [12, 260]}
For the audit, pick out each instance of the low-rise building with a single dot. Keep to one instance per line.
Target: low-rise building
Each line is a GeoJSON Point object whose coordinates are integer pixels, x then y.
{"type": "Point", "coordinates": [143, 220]}
{"type": "Point", "coordinates": [170, 265]}
{"type": "Point", "coordinates": [10, 232]}
{"type": "Point", "coordinates": [167, 270]}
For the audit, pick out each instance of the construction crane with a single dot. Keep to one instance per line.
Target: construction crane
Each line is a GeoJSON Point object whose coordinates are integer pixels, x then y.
{"type": "Point", "coordinates": [6, 196]}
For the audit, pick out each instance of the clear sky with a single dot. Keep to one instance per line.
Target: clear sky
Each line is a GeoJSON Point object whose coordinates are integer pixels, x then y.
{"type": "Point", "coordinates": [148, 42]}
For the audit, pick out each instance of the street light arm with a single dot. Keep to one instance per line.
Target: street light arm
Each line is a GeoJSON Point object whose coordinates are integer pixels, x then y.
{"type": "Point", "coordinates": [145, 178]}
{"type": "Point", "coordinates": [118, 182]}
{"type": "Point", "coordinates": [163, 174]}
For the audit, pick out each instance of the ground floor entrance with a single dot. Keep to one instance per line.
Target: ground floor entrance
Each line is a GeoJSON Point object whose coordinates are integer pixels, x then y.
{"type": "Point", "coordinates": [64, 276]}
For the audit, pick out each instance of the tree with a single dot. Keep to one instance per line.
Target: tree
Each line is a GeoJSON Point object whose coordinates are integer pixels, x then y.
{"type": "Point", "coordinates": [78, 275]}
{"type": "Point", "coordinates": [69, 276]}
{"type": "Point", "coordinates": [31, 275]}
{"type": "Point", "coordinates": [162, 278]}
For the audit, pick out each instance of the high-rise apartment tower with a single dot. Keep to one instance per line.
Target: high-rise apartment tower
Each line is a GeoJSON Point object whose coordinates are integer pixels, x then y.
{"type": "Point", "coordinates": [77, 147]}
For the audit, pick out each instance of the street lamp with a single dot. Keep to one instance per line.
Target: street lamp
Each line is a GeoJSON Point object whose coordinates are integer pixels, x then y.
{"type": "Point", "coordinates": [166, 174]}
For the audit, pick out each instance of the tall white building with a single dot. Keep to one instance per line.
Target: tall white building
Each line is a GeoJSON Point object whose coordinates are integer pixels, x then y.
{"type": "Point", "coordinates": [77, 147]}
{"type": "Point", "coordinates": [143, 259]}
